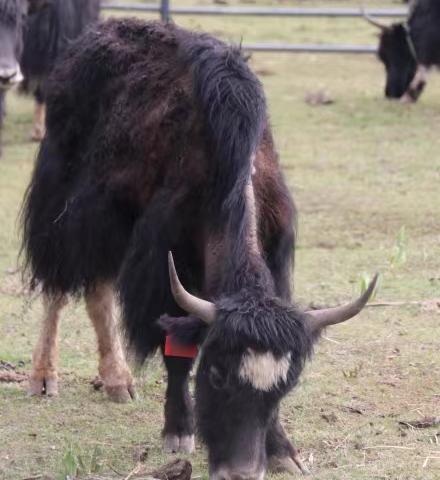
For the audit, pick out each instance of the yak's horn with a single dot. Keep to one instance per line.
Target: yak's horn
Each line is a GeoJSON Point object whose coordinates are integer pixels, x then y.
{"type": "Point", "coordinates": [191, 304]}
{"type": "Point", "coordinates": [373, 21]}
{"type": "Point", "coordinates": [319, 319]}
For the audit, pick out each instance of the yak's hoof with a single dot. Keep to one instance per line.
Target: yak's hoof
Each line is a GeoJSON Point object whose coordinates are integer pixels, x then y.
{"type": "Point", "coordinates": [406, 99]}
{"type": "Point", "coordinates": [37, 134]}
{"type": "Point", "coordinates": [43, 386]}
{"type": "Point", "coordinates": [121, 393]}
{"type": "Point", "coordinates": [287, 464]}
{"type": "Point", "coordinates": [174, 444]}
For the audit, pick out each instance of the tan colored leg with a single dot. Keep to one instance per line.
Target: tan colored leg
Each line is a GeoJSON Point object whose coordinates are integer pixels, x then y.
{"type": "Point", "coordinates": [44, 377]}
{"type": "Point", "coordinates": [417, 85]}
{"type": "Point", "coordinates": [113, 369]}
{"type": "Point", "coordinates": [39, 128]}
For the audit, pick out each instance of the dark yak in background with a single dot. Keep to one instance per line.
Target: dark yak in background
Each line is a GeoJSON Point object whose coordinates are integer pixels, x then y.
{"type": "Point", "coordinates": [408, 49]}
{"type": "Point", "coordinates": [12, 14]}
{"type": "Point", "coordinates": [51, 25]}
{"type": "Point", "coordinates": [33, 34]}
{"type": "Point", "coordinates": [158, 140]}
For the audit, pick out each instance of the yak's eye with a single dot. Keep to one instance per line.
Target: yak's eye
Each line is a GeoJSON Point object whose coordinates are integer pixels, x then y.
{"type": "Point", "coordinates": [217, 377]}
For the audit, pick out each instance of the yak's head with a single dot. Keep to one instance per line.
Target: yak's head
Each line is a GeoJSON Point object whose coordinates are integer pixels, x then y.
{"type": "Point", "coordinates": [396, 52]}
{"type": "Point", "coordinates": [252, 355]}
{"type": "Point", "coordinates": [12, 13]}
{"type": "Point", "coordinates": [398, 59]}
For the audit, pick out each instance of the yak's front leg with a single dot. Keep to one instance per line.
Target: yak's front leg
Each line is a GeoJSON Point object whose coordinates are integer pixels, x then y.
{"type": "Point", "coordinates": [281, 454]}
{"type": "Point", "coordinates": [44, 377]}
{"type": "Point", "coordinates": [178, 432]}
{"type": "Point", "coordinates": [113, 369]}
{"type": "Point", "coordinates": [39, 125]}
{"type": "Point", "coordinates": [417, 85]}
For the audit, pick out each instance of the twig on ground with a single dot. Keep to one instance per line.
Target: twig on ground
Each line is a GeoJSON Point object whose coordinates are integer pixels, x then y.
{"type": "Point", "coordinates": [135, 471]}
{"type": "Point", "coordinates": [426, 422]}
{"type": "Point", "coordinates": [114, 470]}
{"type": "Point", "coordinates": [330, 339]}
{"type": "Point", "coordinates": [430, 303]}
{"type": "Point", "coordinates": [427, 459]}
{"type": "Point", "coordinates": [399, 447]}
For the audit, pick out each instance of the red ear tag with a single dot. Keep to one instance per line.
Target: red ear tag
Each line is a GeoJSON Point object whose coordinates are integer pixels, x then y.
{"type": "Point", "coordinates": [174, 349]}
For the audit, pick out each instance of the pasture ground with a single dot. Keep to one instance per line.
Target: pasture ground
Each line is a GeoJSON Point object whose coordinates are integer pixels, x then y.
{"type": "Point", "coordinates": [362, 170]}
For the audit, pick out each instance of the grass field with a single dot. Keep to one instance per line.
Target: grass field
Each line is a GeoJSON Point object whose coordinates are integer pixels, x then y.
{"type": "Point", "coordinates": [365, 174]}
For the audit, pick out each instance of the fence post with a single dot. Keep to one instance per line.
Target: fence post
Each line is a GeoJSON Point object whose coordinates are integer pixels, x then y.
{"type": "Point", "coordinates": [165, 11]}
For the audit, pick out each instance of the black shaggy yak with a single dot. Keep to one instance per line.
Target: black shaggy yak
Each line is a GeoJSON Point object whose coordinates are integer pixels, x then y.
{"type": "Point", "coordinates": [11, 44]}
{"type": "Point", "coordinates": [409, 49]}
{"type": "Point", "coordinates": [157, 141]}
{"type": "Point", "coordinates": [51, 25]}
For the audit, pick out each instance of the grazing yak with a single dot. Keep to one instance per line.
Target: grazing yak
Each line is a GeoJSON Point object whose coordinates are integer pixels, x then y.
{"type": "Point", "coordinates": [11, 45]}
{"type": "Point", "coordinates": [33, 33]}
{"type": "Point", "coordinates": [51, 25]}
{"type": "Point", "coordinates": [158, 141]}
{"type": "Point", "coordinates": [409, 49]}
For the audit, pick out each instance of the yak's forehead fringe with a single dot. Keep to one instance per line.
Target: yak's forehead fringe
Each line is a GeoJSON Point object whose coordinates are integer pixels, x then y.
{"type": "Point", "coordinates": [10, 12]}
{"type": "Point", "coordinates": [261, 323]}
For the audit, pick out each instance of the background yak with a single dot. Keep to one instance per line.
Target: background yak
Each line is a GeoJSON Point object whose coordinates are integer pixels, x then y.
{"type": "Point", "coordinates": [408, 49]}
{"type": "Point", "coordinates": [33, 34]}
{"type": "Point", "coordinates": [12, 13]}
{"type": "Point", "coordinates": [51, 25]}
{"type": "Point", "coordinates": [158, 140]}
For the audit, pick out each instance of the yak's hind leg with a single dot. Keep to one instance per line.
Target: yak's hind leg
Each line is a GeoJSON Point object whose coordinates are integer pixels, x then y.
{"type": "Point", "coordinates": [113, 368]}
{"type": "Point", "coordinates": [179, 417]}
{"type": "Point", "coordinates": [39, 124]}
{"type": "Point", "coordinates": [44, 377]}
{"type": "Point", "coordinates": [281, 454]}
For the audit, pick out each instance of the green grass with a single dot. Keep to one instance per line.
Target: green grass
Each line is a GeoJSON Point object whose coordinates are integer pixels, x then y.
{"type": "Point", "coordinates": [360, 170]}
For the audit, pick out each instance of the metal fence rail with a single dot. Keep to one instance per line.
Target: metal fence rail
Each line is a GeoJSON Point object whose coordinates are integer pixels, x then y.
{"type": "Point", "coordinates": [167, 11]}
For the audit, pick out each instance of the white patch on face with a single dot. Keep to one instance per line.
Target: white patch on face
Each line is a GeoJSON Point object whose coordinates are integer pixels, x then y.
{"type": "Point", "coordinates": [262, 370]}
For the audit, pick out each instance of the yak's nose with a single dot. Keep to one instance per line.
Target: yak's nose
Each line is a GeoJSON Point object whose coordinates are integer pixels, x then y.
{"type": "Point", "coordinates": [226, 474]}
{"type": "Point", "coordinates": [10, 76]}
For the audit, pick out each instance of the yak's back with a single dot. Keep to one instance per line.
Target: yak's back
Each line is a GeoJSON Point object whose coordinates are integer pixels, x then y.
{"type": "Point", "coordinates": [123, 89]}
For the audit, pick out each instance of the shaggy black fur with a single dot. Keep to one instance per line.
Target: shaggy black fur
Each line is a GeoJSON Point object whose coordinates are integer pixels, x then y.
{"type": "Point", "coordinates": [396, 53]}
{"type": "Point", "coordinates": [50, 28]}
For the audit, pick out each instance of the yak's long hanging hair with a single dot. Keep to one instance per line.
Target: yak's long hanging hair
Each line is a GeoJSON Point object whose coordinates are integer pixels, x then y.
{"type": "Point", "coordinates": [232, 106]}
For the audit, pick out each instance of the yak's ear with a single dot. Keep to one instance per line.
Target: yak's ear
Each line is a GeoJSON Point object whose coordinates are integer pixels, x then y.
{"type": "Point", "coordinates": [186, 330]}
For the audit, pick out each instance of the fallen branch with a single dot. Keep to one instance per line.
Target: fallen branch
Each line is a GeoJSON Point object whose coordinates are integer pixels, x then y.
{"type": "Point", "coordinates": [427, 459]}
{"type": "Point", "coordinates": [389, 446]}
{"type": "Point", "coordinates": [429, 304]}
{"type": "Point", "coordinates": [177, 470]}
{"type": "Point", "coordinates": [426, 422]}
{"type": "Point", "coordinates": [8, 376]}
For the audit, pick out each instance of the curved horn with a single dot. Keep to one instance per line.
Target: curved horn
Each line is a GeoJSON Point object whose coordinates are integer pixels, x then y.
{"type": "Point", "coordinates": [191, 304]}
{"type": "Point", "coordinates": [319, 319]}
{"type": "Point", "coordinates": [373, 21]}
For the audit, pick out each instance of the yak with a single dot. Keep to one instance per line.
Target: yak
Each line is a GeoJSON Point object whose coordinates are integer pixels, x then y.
{"type": "Point", "coordinates": [158, 146]}
{"type": "Point", "coordinates": [50, 26]}
{"type": "Point", "coordinates": [409, 49]}
{"type": "Point", "coordinates": [33, 34]}
{"type": "Point", "coordinates": [11, 45]}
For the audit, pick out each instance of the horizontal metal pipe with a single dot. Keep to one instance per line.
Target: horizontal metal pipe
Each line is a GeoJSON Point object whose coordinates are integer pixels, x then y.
{"type": "Point", "coordinates": [309, 48]}
{"type": "Point", "coordinates": [259, 11]}
{"type": "Point", "coordinates": [131, 7]}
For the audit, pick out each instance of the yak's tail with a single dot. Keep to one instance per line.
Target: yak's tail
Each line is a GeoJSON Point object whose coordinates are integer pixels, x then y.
{"type": "Point", "coordinates": [232, 105]}
{"type": "Point", "coordinates": [233, 108]}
